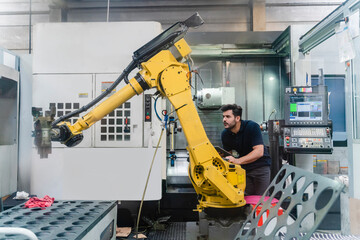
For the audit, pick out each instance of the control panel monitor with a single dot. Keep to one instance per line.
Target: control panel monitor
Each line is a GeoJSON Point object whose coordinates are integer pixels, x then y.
{"type": "Point", "coordinates": [306, 106]}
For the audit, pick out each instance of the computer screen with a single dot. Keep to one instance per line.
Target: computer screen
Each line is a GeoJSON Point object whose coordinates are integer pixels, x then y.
{"type": "Point", "coordinates": [306, 108]}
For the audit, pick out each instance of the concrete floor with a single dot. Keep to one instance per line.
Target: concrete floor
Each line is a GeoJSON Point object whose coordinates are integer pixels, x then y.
{"type": "Point", "coordinates": [190, 231]}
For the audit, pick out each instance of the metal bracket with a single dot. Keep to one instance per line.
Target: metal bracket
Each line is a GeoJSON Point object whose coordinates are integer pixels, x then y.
{"type": "Point", "coordinates": [326, 28]}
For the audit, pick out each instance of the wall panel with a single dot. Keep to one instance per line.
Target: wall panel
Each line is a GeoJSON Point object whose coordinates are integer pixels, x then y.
{"type": "Point", "coordinates": [14, 37]}
{"type": "Point", "coordinates": [228, 15]}
{"type": "Point", "coordinates": [22, 19]}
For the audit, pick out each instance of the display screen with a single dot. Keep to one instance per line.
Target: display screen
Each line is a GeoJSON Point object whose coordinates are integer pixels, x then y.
{"type": "Point", "coordinates": [306, 108]}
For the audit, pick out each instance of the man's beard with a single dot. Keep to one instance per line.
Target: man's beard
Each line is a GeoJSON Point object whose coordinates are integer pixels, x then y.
{"type": "Point", "coordinates": [231, 125]}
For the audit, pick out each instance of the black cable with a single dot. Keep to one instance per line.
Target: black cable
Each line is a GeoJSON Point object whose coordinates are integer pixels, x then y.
{"type": "Point", "coordinates": [123, 75]}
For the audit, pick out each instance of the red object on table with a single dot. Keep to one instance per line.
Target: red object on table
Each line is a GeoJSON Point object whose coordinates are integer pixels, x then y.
{"type": "Point", "coordinates": [253, 201]}
{"type": "Point", "coordinates": [39, 202]}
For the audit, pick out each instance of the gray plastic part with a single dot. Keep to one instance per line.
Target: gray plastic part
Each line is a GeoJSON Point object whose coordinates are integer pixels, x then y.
{"type": "Point", "coordinates": [63, 220]}
{"type": "Point", "coordinates": [298, 193]}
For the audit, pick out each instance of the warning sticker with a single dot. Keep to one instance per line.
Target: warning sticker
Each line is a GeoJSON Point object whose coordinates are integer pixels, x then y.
{"type": "Point", "coordinates": [106, 85]}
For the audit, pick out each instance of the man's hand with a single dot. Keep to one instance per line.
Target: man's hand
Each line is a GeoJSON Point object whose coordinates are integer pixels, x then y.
{"type": "Point", "coordinates": [255, 154]}
{"type": "Point", "coordinates": [231, 159]}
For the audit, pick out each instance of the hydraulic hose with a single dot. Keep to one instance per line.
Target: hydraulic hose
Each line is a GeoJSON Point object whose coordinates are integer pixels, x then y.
{"type": "Point", "coordinates": [123, 75]}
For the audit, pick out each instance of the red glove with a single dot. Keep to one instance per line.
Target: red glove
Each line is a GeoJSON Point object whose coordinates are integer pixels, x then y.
{"type": "Point", "coordinates": [39, 202]}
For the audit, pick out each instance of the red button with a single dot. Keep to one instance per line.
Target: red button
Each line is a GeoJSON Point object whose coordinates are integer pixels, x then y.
{"type": "Point", "coordinates": [147, 117]}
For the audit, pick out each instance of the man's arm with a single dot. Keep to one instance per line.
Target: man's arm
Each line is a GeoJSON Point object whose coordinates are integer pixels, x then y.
{"type": "Point", "coordinates": [255, 154]}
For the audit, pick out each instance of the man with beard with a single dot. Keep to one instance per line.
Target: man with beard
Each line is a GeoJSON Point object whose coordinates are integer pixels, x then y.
{"type": "Point", "coordinates": [243, 139]}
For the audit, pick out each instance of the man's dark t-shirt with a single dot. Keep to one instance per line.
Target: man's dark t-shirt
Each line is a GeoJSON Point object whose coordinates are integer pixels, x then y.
{"type": "Point", "coordinates": [243, 142]}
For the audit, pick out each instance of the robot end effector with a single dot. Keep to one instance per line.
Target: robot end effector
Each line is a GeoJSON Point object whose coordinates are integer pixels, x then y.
{"type": "Point", "coordinates": [44, 133]}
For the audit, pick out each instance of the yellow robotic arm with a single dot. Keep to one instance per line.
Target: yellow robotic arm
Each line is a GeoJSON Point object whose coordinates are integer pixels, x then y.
{"type": "Point", "coordinates": [218, 183]}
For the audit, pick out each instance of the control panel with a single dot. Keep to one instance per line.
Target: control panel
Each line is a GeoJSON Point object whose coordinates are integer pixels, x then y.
{"type": "Point", "coordinates": [307, 128]}
{"type": "Point", "coordinates": [147, 107]}
{"type": "Point", "coordinates": [307, 139]}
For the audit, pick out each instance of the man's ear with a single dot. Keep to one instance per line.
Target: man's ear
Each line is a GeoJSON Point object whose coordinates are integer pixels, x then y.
{"type": "Point", "coordinates": [237, 118]}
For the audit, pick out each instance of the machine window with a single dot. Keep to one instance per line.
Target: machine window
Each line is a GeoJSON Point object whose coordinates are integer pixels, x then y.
{"type": "Point", "coordinates": [76, 105]}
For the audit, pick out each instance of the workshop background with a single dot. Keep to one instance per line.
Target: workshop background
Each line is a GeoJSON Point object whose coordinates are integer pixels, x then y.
{"type": "Point", "coordinates": [19, 17]}
{"type": "Point", "coordinates": [249, 51]}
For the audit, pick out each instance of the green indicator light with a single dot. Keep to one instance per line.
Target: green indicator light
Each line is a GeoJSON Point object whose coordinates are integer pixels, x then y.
{"type": "Point", "coordinates": [293, 107]}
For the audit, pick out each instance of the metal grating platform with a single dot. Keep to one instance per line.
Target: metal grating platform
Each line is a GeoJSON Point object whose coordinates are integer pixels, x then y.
{"type": "Point", "coordinates": [175, 231]}
{"type": "Point", "coordinates": [318, 236]}
{"type": "Point", "coordinates": [69, 220]}
{"type": "Point", "coordinates": [189, 231]}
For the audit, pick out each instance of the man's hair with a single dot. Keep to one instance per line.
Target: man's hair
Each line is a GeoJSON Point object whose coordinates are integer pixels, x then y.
{"type": "Point", "coordinates": [237, 110]}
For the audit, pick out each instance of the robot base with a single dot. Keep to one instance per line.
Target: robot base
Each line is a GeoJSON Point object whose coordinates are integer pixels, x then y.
{"type": "Point", "coordinates": [217, 223]}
